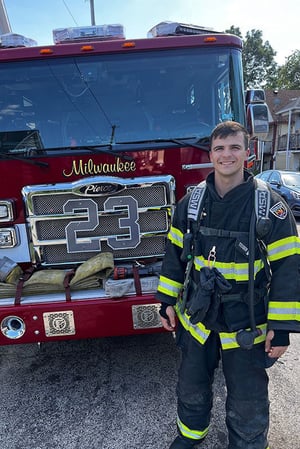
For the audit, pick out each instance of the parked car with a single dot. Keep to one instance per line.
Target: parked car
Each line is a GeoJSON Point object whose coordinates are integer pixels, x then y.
{"type": "Point", "coordinates": [287, 184]}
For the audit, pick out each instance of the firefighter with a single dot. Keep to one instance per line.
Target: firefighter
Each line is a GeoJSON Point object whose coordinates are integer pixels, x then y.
{"type": "Point", "coordinates": [234, 300]}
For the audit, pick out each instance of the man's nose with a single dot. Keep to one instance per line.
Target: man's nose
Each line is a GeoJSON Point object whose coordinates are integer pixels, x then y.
{"type": "Point", "coordinates": [227, 151]}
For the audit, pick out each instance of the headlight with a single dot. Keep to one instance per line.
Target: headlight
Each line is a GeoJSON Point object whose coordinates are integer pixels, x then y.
{"type": "Point", "coordinates": [8, 238]}
{"type": "Point", "coordinates": [295, 195]}
{"type": "Point", "coordinates": [6, 211]}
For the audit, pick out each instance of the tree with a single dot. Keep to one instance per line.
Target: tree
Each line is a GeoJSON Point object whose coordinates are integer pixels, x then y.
{"type": "Point", "coordinates": [234, 30]}
{"type": "Point", "coordinates": [289, 73]}
{"type": "Point", "coordinates": [260, 67]}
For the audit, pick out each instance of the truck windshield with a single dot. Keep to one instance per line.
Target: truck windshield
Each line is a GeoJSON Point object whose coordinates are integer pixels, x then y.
{"type": "Point", "coordinates": [115, 98]}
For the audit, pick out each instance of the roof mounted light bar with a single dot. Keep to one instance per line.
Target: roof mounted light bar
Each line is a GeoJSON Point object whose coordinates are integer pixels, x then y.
{"type": "Point", "coordinates": [9, 40]}
{"type": "Point", "coordinates": [176, 28]}
{"type": "Point", "coordinates": [88, 33]}
{"type": "Point", "coordinates": [103, 32]}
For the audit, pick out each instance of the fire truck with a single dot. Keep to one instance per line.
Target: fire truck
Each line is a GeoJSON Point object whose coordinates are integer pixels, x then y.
{"type": "Point", "coordinates": [100, 136]}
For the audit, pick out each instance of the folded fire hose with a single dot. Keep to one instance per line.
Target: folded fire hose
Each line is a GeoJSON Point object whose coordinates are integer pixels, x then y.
{"type": "Point", "coordinates": [97, 272]}
{"type": "Point", "coordinates": [89, 274]}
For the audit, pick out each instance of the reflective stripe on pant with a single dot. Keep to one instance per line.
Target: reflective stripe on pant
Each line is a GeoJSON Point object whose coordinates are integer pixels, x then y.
{"type": "Point", "coordinates": [247, 405]}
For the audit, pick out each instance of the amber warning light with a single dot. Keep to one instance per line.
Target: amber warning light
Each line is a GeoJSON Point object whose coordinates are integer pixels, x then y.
{"type": "Point", "coordinates": [128, 45]}
{"type": "Point", "coordinates": [210, 39]}
{"type": "Point", "coordinates": [87, 48]}
{"type": "Point", "coordinates": [46, 51]}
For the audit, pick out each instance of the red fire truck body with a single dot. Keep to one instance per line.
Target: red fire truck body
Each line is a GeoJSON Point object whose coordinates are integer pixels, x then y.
{"type": "Point", "coordinates": [98, 140]}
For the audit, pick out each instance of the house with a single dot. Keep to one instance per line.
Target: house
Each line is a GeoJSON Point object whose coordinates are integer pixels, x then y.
{"type": "Point", "coordinates": [282, 147]}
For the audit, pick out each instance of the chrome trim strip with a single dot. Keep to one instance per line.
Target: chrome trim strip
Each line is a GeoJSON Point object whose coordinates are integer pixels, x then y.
{"type": "Point", "coordinates": [196, 166]}
{"type": "Point", "coordinates": [58, 297]}
{"type": "Point", "coordinates": [73, 187]}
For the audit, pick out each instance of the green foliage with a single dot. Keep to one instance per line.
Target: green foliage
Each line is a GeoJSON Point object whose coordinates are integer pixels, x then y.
{"type": "Point", "coordinates": [258, 60]}
{"type": "Point", "coordinates": [260, 67]}
{"type": "Point", "coordinates": [289, 73]}
{"type": "Point", "coordinates": [235, 30]}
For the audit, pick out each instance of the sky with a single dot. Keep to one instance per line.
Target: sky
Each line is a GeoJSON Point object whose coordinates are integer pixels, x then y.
{"type": "Point", "coordinates": [277, 19]}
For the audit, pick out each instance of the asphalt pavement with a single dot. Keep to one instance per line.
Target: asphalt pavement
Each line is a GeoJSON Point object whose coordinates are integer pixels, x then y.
{"type": "Point", "coordinates": [119, 393]}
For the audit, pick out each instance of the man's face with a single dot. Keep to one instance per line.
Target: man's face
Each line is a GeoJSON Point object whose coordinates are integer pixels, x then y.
{"type": "Point", "coordinates": [228, 154]}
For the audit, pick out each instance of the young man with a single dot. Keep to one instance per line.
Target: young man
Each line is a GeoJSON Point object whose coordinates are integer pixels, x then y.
{"type": "Point", "coordinates": [216, 316]}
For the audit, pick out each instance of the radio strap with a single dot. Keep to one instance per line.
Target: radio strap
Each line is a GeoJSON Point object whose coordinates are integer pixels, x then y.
{"type": "Point", "coordinates": [261, 201]}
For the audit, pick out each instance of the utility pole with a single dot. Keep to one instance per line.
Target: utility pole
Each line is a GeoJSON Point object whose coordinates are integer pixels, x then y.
{"type": "Point", "coordinates": [287, 154]}
{"type": "Point", "coordinates": [4, 20]}
{"type": "Point", "coordinates": [92, 12]}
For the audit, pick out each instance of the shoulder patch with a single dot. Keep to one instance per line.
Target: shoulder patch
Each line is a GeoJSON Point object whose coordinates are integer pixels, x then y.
{"type": "Point", "coordinates": [279, 210]}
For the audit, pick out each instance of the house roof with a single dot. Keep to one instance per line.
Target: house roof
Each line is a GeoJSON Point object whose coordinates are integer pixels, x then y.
{"type": "Point", "coordinates": [282, 101]}
{"type": "Point", "coordinates": [293, 105]}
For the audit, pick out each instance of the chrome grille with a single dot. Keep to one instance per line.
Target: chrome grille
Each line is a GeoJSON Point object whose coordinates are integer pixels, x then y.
{"type": "Point", "coordinates": [151, 247]}
{"type": "Point", "coordinates": [129, 217]}
{"type": "Point", "coordinates": [53, 201]}
{"type": "Point", "coordinates": [154, 221]}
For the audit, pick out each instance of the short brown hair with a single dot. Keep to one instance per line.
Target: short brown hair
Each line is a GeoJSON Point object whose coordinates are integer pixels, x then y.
{"type": "Point", "coordinates": [229, 128]}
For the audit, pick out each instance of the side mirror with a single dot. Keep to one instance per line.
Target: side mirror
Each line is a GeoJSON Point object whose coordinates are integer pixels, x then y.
{"type": "Point", "coordinates": [258, 120]}
{"type": "Point", "coordinates": [276, 183]}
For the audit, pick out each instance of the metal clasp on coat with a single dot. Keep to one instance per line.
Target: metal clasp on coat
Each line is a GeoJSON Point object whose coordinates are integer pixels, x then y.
{"type": "Point", "coordinates": [212, 257]}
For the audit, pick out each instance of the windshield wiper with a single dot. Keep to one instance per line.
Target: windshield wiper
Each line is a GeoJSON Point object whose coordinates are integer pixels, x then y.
{"type": "Point", "coordinates": [115, 150]}
{"type": "Point", "coordinates": [105, 148]}
{"type": "Point", "coordinates": [201, 144]}
{"type": "Point", "coordinates": [24, 159]}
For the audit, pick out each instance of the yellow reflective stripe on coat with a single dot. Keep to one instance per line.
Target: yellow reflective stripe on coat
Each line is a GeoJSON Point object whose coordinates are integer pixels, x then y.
{"type": "Point", "coordinates": [198, 331]}
{"type": "Point", "coordinates": [228, 339]}
{"type": "Point", "coordinates": [190, 433]}
{"type": "Point", "coordinates": [284, 311]}
{"type": "Point", "coordinates": [169, 287]}
{"type": "Point", "coordinates": [175, 236]}
{"type": "Point", "coordinates": [230, 270]}
{"type": "Point", "coordinates": [283, 248]}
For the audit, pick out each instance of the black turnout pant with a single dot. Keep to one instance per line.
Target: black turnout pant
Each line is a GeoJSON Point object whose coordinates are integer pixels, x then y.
{"type": "Point", "coordinates": [247, 404]}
